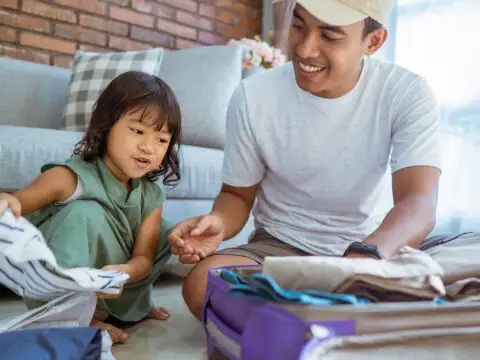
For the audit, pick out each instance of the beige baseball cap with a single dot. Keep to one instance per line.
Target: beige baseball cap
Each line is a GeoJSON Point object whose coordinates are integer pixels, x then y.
{"type": "Point", "coordinates": [346, 12]}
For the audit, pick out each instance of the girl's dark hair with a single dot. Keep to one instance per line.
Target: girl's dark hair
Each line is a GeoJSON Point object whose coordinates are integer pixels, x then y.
{"type": "Point", "coordinates": [129, 91]}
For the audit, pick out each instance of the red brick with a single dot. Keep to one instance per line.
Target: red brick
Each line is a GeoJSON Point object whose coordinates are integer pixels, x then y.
{"type": "Point", "coordinates": [208, 11]}
{"type": "Point", "coordinates": [185, 44]}
{"type": "Point", "coordinates": [12, 4]}
{"type": "Point", "coordinates": [131, 17]}
{"type": "Point", "coordinates": [141, 34]}
{"type": "Point", "coordinates": [195, 20]}
{"type": "Point", "coordinates": [177, 29]}
{"type": "Point", "coordinates": [230, 31]}
{"type": "Point", "coordinates": [189, 5]}
{"type": "Point", "coordinates": [210, 38]}
{"type": "Point", "coordinates": [24, 21]}
{"type": "Point", "coordinates": [8, 34]}
{"type": "Point", "coordinates": [119, 43]}
{"type": "Point", "coordinates": [92, 48]}
{"type": "Point", "coordinates": [102, 24]}
{"type": "Point", "coordinates": [24, 54]}
{"type": "Point", "coordinates": [49, 11]}
{"type": "Point", "coordinates": [119, 2]}
{"type": "Point", "coordinates": [47, 43]}
{"type": "Point", "coordinates": [153, 8]}
{"type": "Point", "coordinates": [239, 7]}
{"type": "Point", "coordinates": [225, 3]}
{"type": "Point", "coordinates": [92, 6]}
{"type": "Point", "coordinates": [225, 16]}
{"type": "Point", "coordinates": [63, 61]}
{"type": "Point", "coordinates": [80, 34]}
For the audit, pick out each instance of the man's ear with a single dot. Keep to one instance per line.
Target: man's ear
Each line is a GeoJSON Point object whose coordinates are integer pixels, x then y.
{"type": "Point", "coordinates": [375, 41]}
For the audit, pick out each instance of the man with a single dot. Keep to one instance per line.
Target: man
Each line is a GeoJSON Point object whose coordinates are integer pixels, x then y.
{"type": "Point", "coordinates": [309, 144]}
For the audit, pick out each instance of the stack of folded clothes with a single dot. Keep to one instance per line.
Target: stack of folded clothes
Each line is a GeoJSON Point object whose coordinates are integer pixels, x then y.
{"type": "Point", "coordinates": [412, 275]}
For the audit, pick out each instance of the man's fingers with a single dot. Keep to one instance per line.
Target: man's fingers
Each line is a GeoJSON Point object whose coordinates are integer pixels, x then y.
{"type": "Point", "coordinates": [201, 227]}
{"type": "Point", "coordinates": [189, 259]}
{"type": "Point", "coordinates": [182, 250]}
{"type": "Point", "coordinates": [175, 240]}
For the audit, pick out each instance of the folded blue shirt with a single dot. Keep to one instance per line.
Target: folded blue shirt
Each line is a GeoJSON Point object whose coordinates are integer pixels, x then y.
{"type": "Point", "coordinates": [264, 287]}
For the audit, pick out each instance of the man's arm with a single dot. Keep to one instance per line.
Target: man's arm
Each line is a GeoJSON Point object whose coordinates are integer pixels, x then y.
{"type": "Point", "coordinates": [415, 192]}
{"type": "Point", "coordinates": [415, 164]}
{"type": "Point", "coordinates": [233, 206]}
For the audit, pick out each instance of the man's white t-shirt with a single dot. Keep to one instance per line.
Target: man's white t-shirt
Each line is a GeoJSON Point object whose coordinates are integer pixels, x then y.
{"type": "Point", "coordinates": [321, 163]}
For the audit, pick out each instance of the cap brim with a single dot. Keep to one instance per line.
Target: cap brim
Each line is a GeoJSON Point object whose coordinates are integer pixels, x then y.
{"type": "Point", "coordinates": [332, 12]}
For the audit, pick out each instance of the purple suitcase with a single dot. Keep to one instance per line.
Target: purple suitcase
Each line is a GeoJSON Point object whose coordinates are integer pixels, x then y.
{"type": "Point", "coordinates": [239, 328]}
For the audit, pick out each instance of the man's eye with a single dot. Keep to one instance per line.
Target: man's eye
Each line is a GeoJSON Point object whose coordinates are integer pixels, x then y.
{"type": "Point", "coordinates": [328, 38]}
{"type": "Point", "coordinates": [136, 131]}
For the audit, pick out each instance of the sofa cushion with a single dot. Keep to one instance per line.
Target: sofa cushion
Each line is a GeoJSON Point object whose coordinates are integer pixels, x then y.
{"type": "Point", "coordinates": [24, 150]}
{"type": "Point", "coordinates": [201, 172]}
{"type": "Point", "coordinates": [92, 72]}
{"type": "Point", "coordinates": [32, 94]}
{"type": "Point", "coordinates": [203, 79]}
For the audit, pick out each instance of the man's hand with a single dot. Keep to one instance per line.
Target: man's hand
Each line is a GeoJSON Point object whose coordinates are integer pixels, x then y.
{"type": "Point", "coordinates": [8, 201]}
{"type": "Point", "coordinates": [196, 238]}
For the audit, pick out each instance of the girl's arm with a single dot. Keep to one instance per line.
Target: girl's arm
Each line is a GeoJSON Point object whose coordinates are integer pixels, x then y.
{"type": "Point", "coordinates": [145, 248]}
{"type": "Point", "coordinates": [55, 184]}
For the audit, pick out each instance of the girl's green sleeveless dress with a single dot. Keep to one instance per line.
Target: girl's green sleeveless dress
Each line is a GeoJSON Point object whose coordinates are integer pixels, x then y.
{"type": "Point", "coordinates": [100, 227]}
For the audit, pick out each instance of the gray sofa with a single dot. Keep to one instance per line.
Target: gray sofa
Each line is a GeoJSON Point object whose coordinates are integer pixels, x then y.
{"type": "Point", "coordinates": [33, 97]}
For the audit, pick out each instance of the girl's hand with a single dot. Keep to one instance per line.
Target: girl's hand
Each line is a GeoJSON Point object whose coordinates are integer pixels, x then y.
{"type": "Point", "coordinates": [110, 296]}
{"type": "Point", "coordinates": [125, 268]}
{"type": "Point", "coordinates": [8, 201]}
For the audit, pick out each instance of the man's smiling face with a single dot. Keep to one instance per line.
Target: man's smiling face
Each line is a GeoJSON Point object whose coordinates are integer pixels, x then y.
{"type": "Point", "coordinates": [328, 59]}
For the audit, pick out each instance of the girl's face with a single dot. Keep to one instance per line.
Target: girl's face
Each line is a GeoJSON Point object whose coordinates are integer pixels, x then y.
{"type": "Point", "coordinates": [135, 146]}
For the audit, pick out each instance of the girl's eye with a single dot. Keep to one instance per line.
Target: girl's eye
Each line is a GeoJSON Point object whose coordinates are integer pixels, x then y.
{"type": "Point", "coordinates": [136, 131]}
{"type": "Point", "coordinates": [163, 141]}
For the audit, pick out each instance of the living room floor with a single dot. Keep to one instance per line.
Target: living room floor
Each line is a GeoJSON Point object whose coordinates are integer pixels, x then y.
{"type": "Point", "coordinates": [180, 337]}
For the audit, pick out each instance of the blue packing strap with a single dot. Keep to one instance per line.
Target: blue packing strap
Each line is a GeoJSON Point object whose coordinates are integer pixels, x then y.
{"type": "Point", "coordinates": [232, 277]}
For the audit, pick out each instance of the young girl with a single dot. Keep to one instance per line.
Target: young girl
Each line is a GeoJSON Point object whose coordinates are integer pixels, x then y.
{"type": "Point", "coordinates": [102, 208]}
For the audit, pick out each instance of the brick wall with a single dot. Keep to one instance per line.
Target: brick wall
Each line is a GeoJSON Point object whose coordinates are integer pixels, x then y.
{"type": "Point", "coordinates": [50, 31]}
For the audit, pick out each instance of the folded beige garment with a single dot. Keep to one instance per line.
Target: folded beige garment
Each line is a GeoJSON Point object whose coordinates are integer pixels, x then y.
{"type": "Point", "coordinates": [377, 289]}
{"type": "Point", "coordinates": [326, 273]}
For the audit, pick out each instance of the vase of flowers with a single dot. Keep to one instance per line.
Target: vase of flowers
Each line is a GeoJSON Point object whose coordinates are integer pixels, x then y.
{"type": "Point", "coordinates": [259, 55]}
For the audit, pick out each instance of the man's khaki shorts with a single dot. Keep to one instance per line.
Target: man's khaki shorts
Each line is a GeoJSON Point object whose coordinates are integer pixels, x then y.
{"type": "Point", "coordinates": [262, 244]}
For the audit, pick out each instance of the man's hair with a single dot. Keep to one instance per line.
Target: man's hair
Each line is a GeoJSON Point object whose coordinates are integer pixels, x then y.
{"type": "Point", "coordinates": [370, 26]}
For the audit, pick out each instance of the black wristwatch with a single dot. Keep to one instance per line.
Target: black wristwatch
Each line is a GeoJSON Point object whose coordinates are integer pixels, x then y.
{"type": "Point", "coordinates": [357, 247]}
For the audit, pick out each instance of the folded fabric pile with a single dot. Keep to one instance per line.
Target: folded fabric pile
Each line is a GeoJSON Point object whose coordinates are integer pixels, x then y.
{"type": "Point", "coordinates": [411, 275]}
{"type": "Point", "coordinates": [29, 268]}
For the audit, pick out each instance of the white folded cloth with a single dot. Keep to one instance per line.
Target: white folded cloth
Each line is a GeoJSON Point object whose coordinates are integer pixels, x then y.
{"type": "Point", "coordinates": [326, 273]}
{"type": "Point", "coordinates": [29, 268]}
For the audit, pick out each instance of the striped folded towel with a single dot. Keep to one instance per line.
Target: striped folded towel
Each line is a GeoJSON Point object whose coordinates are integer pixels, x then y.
{"type": "Point", "coordinates": [29, 268]}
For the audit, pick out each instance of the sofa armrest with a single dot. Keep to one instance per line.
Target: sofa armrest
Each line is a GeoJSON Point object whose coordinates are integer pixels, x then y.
{"type": "Point", "coordinates": [35, 94]}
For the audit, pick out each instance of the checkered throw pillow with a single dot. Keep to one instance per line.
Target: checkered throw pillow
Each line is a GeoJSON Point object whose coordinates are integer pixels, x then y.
{"type": "Point", "coordinates": [92, 72]}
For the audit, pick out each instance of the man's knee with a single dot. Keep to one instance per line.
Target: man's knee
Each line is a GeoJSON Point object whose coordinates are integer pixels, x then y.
{"type": "Point", "coordinates": [195, 284]}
